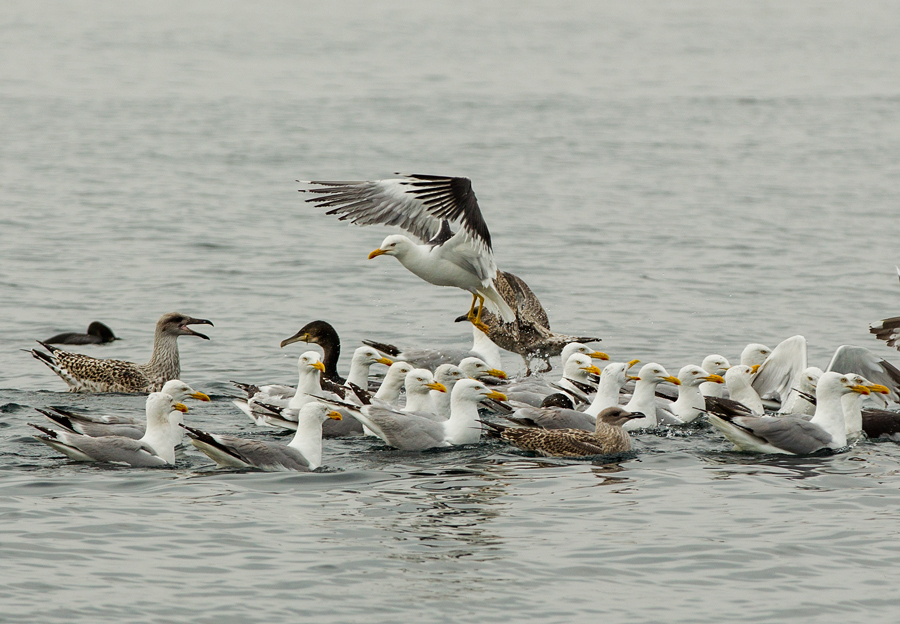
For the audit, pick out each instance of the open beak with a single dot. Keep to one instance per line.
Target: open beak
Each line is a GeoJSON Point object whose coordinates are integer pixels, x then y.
{"type": "Point", "coordinates": [715, 379]}
{"type": "Point", "coordinates": [192, 321]}
{"type": "Point", "coordinates": [384, 361]}
{"type": "Point", "coordinates": [632, 363]}
{"type": "Point", "coordinates": [181, 407]}
{"type": "Point", "coordinates": [436, 385]}
{"type": "Point", "coordinates": [376, 253]}
{"type": "Point", "coordinates": [298, 337]}
{"type": "Point", "coordinates": [335, 415]}
{"type": "Point", "coordinates": [497, 396]}
{"type": "Point", "coordinates": [319, 366]}
{"type": "Point", "coordinates": [496, 372]}
{"type": "Point", "coordinates": [674, 380]}
{"type": "Point", "coordinates": [200, 396]}
{"type": "Point", "coordinates": [598, 355]}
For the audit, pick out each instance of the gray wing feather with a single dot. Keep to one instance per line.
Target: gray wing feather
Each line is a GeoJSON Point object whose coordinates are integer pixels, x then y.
{"type": "Point", "coordinates": [265, 455]}
{"type": "Point", "coordinates": [381, 202]}
{"type": "Point", "coordinates": [792, 434]}
{"type": "Point", "coordinates": [859, 360]}
{"type": "Point", "coordinates": [782, 369]}
{"type": "Point", "coordinates": [408, 431]}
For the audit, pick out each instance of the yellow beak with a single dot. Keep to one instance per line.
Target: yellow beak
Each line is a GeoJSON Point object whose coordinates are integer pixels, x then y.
{"type": "Point", "coordinates": [436, 385]}
{"type": "Point", "coordinates": [599, 355]}
{"type": "Point", "coordinates": [632, 363]}
{"type": "Point", "coordinates": [715, 379]}
{"type": "Point", "coordinates": [592, 369]}
{"type": "Point", "coordinates": [376, 253]}
{"type": "Point", "coordinates": [673, 380]}
{"type": "Point", "coordinates": [754, 368]}
{"type": "Point", "coordinates": [319, 366]}
{"type": "Point", "coordinates": [200, 396]}
{"type": "Point", "coordinates": [384, 361]}
{"type": "Point", "coordinates": [861, 389]}
{"type": "Point", "coordinates": [497, 396]}
{"type": "Point", "coordinates": [633, 377]}
{"type": "Point", "coordinates": [496, 372]}
{"type": "Point", "coordinates": [181, 407]}
{"type": "Point", "coordinates": [335, 415]}
{"type": "Point", "coordinates": [879, 389]}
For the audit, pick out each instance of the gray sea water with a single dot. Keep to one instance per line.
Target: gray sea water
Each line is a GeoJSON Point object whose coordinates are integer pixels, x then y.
{"type": "Point", "coordinates": [678, 178]}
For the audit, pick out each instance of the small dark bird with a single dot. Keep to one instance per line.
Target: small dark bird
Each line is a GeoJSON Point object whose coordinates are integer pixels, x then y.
{"type": "Point", "coordinates": [97, 333]}
{"type": "Point", "coordinates": [608, 438]}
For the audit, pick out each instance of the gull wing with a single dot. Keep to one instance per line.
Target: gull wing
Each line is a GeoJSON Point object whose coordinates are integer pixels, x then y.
{"type": "Point", "coordinates": [782, 369]}
{"type": "Point", "coordinates": [417, 203]}
{"type": "Point", "coordinates": [789, 433]}
{"type": "Point", "coordinates": [859, 360]}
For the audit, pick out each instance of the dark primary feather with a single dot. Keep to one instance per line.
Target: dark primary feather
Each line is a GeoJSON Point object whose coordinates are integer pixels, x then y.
{"type": "Point", "coordinates": [877, 423]}
{"type": "Point", "coordinates": [888, 330]}
{"type": "Point", "coordinates": [451, 199]}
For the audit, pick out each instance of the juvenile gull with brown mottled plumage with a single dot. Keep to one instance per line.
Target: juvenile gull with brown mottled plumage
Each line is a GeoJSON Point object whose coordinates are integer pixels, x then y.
{"type": "Point", "coordinates": [87, 374]}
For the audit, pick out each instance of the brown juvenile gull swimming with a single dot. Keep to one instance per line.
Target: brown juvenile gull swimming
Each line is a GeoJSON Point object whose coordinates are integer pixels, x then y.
{"type": "Point", "coordinates": [97, 333]}
{"type": "Point", "coordinates": [425, 206]}
{"type": "Point", "coordinates": [86, 374]}
{"type": "Point", "coordinates": [607, 438]}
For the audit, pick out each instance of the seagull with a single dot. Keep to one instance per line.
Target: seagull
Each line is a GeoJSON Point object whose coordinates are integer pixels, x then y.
{"type": "Point", "coordinates": [714, 365]}
{"type": "Point", "coordinates": [86, 374]}
{"type": "Point", "coordinates": [643, 401]}
{"type": "Point", "coordinates": [482, 348]}
{"type": "Point", "coordinates": [412, 431]}
{"type": "Point", "coordinates": [156, 448]}
{"type": "Point", "coordinates": [612, 380]}
{"type": "Point", "coordinates": [690, 403]}
{"type": "Point", "coordinates": [446, 375]}
{"type": "Point", "coordinates": [97, 333]}
{"type": "Point", "coordinates": [425, 206]}
{"type": "Point", "coordinates": [530, 336]}
{"type": "Point", "coordinates": [738, 380]}
{"type": "Point", "coordinates": [101, 426]}
{"type": "Point", "coordinates": [792, 435]}
{"type": "Point", "coordinates": [607, 438]}
{"type": "Point", "coordinates": [783, 370]}
{"type": "Point", "coordinates": [303, 452]}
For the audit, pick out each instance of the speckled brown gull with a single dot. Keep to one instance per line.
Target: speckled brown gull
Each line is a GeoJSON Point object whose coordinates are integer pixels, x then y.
{"type": "Point", "coordinates": [607, 438]}
{"type": "Point", "coordinates": [87, 374]}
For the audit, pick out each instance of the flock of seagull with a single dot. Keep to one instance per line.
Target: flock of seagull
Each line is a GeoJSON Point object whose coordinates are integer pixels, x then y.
{"type": "Point", "coordinates": [771, 402]}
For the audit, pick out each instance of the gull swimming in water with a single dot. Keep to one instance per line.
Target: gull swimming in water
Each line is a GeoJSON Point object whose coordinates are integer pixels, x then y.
{"type": "Point", "coordinates": [87, 374]}
{"type": "Point", "coordinates": [411, 431]}
{"type": "Point", "coordinates": [97, 333]}
{"type": "Point", "coordinates": [110, 425]}
{"type": "Point", "coordinates": [607, 438]}
{"type": "Point", "coordinates": [792, 435]}
{"type": "Point", "coordinates": [425, 206]}
{"type": "Point", "coordinates": [303, 452]}
{"type": "Point", "coordinates": [643, 401]}
{"type": "Point", "coordinates": [155, 448]}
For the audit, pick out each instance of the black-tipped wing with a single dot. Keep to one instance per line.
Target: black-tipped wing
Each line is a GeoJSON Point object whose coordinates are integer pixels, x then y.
{"type": "Point", "coordinates": [417, 203]}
